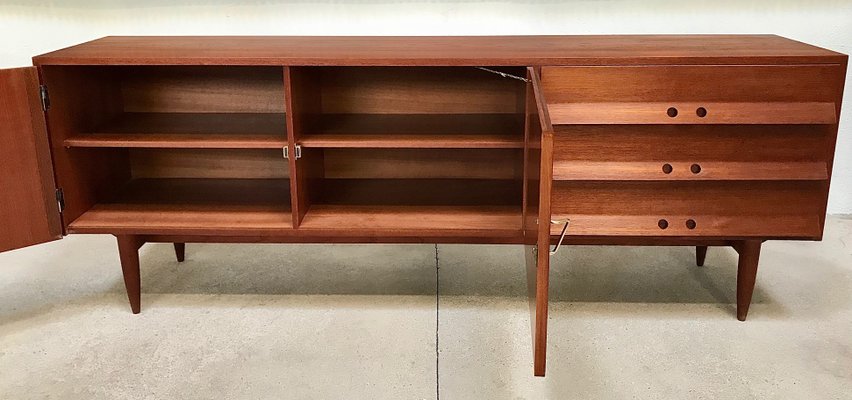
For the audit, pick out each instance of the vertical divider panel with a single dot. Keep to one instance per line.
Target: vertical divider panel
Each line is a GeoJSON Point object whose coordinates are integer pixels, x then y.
{"type": "Point", "coordinates": [303, 108]}
{"type": "Point", "coordinates": [538, 167]}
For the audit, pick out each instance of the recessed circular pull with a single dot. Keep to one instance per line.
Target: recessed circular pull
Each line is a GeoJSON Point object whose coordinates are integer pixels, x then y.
{"type": "Point", "coordinates": [695, 168]}
{"type": "Point", "coordinates": [667, 168]}
{"type": "Point", "coordinates": [701, 112]}
{"type": "Point", "coordinates": [672, 112]}
{"type": "Point", "coordinates": [690, 223]}
{"type": "Point", "coordinates": [663, 224]}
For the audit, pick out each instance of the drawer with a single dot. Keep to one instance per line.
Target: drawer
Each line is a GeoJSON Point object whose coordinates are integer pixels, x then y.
{"type": "Point", "coordinates": [691, 225]}
{"type": "Point", "coordinates": [700, 94]}
{"type": "Point", "coordinates": [691, 152]}
{"type": "Point", "coordinates": [690, 209]}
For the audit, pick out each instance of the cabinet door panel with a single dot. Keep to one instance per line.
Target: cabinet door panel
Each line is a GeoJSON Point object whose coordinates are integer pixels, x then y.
{"type": "Point", "coordinates": [538, 162]}
{"type": "Point", "coordinates": [28, 209]}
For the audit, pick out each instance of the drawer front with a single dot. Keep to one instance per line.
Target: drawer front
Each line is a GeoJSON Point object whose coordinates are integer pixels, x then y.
{"type": "Point", "coordinates": [691, 225]}
{"type": "Point", "coordinates": [703, 94]}
{"type": "Point", "coordinates": [691, 153]}
{"type": "Point", "coordinates": [764, 209]}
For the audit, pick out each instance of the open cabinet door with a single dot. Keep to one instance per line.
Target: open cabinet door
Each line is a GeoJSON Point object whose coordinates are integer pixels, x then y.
{"type": "Point", "coordinates": [29, 212]}
{"type": "Point", "coordinates": [538, 162]}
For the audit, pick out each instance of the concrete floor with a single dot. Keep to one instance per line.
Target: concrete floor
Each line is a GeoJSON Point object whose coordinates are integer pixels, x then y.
{"type": "Point", "coordinates": [362, 322]}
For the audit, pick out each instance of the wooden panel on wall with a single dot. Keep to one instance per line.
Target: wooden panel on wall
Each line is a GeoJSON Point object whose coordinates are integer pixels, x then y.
{"type": "Point", "coordinates": [203, 89]}
{"type": "Point", "coordinates": [424, 163]}
{"type": "Point", "coordinates": [419, 90]}
{"type": "Point", "coordinates": [208, 163]}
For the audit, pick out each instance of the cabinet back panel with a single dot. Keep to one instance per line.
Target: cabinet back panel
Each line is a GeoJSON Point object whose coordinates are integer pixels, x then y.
{"type": "Point", "coordinates": [203, 89]}
{"type": "Point", "coordinates": [420, 192]}
{"type": "Point", "coordinates": [419, 90]}
{"type": "Point", "coordinates": [424, 163]}
{"type": "Point", "coordinates": [208, 163]}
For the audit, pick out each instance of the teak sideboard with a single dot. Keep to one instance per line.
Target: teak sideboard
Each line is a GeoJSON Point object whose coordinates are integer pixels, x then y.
{"type": "Point", "coordinates": [700, 140]}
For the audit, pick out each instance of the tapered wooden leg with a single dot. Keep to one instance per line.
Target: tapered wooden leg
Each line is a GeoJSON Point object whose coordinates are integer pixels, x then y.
{"type": "Point", "coordinates": [180, 251]}
{"type": "Point", "coordinates": [541, 305]}
{"type": "Point", "coordinates": [746, 275]}
{"type": "Point", "coordinates": [700, 255]}
{"type": "Point", "coordinates": [128, 252]}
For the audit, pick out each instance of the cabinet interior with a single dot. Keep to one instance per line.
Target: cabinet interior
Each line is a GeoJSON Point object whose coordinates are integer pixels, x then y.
{"type": "Point", "coordinates": [398, 146]}
{"type": "Point", "coordinates": [144, 143]}
{"type": "Point", "coordinates": [141, 143]}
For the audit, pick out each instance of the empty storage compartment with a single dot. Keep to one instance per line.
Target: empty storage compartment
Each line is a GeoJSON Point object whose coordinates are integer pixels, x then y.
{"type": "Point", "coordinates": [172, 106]}
{"type": "Point", "coordinates": [170, 149]}
{"type": "Point", "coordinates": [420, 192]}
{"type": "Point", "coordinates": [410, 151]}
{"type": "Point", "coordinates": [413, 107]}
{"type": "Point", "coordinates": [195, 191]}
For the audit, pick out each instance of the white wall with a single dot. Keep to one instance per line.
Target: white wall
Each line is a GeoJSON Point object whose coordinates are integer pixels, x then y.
{"type": "Point", "coordinates": [29, 28]}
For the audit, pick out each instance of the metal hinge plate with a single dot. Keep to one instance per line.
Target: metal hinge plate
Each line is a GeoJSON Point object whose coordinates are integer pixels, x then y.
{"type": "Point", "coordinates": [60, 200]}
{"type": "Point", "coordinates": [298, 152]}
{"type": "Point", "coordinates": [45, 97]}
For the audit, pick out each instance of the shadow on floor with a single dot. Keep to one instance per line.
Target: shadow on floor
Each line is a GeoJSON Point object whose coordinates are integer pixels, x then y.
{"type": "Point", "coordinates": [579, 274]}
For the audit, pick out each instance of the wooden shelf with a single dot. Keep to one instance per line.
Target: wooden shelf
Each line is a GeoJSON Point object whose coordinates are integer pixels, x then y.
{"type": "Point", "coordinates": [489, 131]}
{"type": "Point", "coordinates": [188, 130]}
{"type": "Point", "coordinates": [709, 170]}
{"type": "Point", "coordinates": [419, 221]}
{"type": "Point", "coordinates": [192, 206]}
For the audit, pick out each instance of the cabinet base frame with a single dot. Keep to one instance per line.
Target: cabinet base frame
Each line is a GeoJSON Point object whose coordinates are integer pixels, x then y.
{"type": "Point", "coordinates": [538, 271]}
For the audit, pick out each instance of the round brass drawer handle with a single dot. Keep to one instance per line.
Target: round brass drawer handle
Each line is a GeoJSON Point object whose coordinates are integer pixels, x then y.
{"type": "Point", "coordinates": [690, 223]}
{"type": "Point", "coordinates": [701, 112]}
{"type": "Point", "coordinates": [663, 224]}
{"type": "Point", "coordinates": [667, 168]}
{"type": "Point", "coordinates": [671, 112]}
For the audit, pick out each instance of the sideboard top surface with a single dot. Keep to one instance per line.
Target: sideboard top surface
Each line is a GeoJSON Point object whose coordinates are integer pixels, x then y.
{"type": "Point", "coordinates": [440, 50]}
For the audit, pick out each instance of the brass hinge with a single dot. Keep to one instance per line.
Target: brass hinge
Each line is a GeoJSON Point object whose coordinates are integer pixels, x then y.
{"type": "Point", "coordinates": [298, 152]}
{"type": "Point", "coordinates": [45, 97]}
{"type": "Point", "coordinates": [60, 200]}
